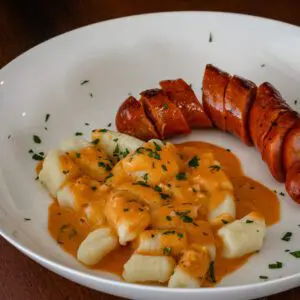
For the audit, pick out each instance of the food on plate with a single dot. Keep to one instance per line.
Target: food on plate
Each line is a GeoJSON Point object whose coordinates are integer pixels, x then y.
{"type": "Point", "coordinates": [165, 115]}
{"type": "Point", "coordinates": [183, 96]}
{"type": "Point", "coordinates": [239, 96]}
{"type": "Point", "coordinates": [243, 236]}
{"type": "Point", "coordinates": [154, 211]}
{"type": "Point", "coordinates": [266, 108]}
{"type": "Point", "coordinates": [132, 120]}
{"type": "Point", "coordinates": [291, 146]}
{"type": "Point", "coordinates": [272, 151]}
{"type": "Point", "coordinates": [214, 87]}
{"type": "Point", "coordinates": [292, 182]}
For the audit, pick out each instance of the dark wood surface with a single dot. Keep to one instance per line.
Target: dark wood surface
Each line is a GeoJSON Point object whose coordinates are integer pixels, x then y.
{"type": "Point", "coordinates": [24, 24]}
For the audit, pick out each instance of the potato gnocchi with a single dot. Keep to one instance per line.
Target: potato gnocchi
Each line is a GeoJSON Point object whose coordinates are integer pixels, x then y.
{"type": "Point", "coordinates": [174, 208]}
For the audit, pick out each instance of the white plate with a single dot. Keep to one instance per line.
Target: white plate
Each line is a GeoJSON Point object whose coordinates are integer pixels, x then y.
{"type": "Point", "coordinates": [126, 56]}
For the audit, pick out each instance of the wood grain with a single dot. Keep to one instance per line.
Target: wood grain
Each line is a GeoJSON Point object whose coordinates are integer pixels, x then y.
{"type": "Point", "coordinates": [25, 24]}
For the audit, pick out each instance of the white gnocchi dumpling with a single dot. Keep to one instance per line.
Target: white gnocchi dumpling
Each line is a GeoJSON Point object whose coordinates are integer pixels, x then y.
{"type": "Point", "coordinates": [141, 268]}
{"type": "Point", "coordinates": [73, 144]}
{"type": "Point", "coordinates": [221, 206]}
{"type": "Point", "coordinates": [57, 167]}
{"type": "Point", "coordinates": [97, 244]}
{"type": "Point", "coordinates": [162, 242]}
{"type": "Point", "coordinates": [243, 236]}
{"type": "Point", "coordinates": [128, 215]}
{"type": "Point", "coordinates": [115, 144]}
{"type": "Point", "coordinates": [191, 269]}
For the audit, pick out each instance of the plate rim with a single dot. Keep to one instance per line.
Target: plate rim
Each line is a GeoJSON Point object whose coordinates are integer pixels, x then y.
{"type": "Point", "coordinates": [41, 259]}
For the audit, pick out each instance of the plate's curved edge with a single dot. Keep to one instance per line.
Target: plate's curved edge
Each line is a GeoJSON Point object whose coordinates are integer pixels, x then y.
{"type": "Point", "coordinates": [229, 14]}
{"type": "Point", "coordinates": [53, 265]}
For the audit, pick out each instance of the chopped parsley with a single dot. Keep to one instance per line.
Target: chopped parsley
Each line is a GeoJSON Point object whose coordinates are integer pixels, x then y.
{"type": "Point", "coordinates": [103, 130]}
{"type": "Point", "coordinates": [228, 150]}
{"type": "Point", "coordinates": [296, 253]}
{"type": "Point", "coordinates": [37, 157]}
{"type": "Point", "coordinates": [249, 221]}
{"type": "Point", "coordinates": [94, 188]}
{"type": "Point", "coordinates": [157, 146]}
{"type": "Point", "coordinates": [66, 172]}
{"type": "Point", "coordinates": [109, 125]}
{"type": "Point", "coordinates": [141, 183]}
{"type": "Point", "coordinates": [126, 209]}
{"type": "Point", "coordinates": [158, 188]}
{"type": "Point", "coordinates": [262, 65]}
{"type": "Point", "coordinates": [91, 95]}
{"type": "Point", "coordinates": [214, 168]}
{"type": "Point", "coordinates": [181, 176]}
{"type": "Point", "coordinates": [78, 133]}
{"type": "Point", "coordinates": [9, 136]}
{"type": "Point", "coordinates": [277, 265]}
{"type": "Point", "coordinates": [282, 194]}
{"type": "Point", "coordinates": [46, 128]}
{"type": "Point", "coordinates": [210, 38]}
{"type": "Point", "coordinates": [109, 176]}
{"type": "Point", "coordinates": [116, 150]}
{"type": "Point", "coordinates": [87, 124]}
{"type": "Point", "coordinates": [167, 250]}
{"type": "Point", "coordinates": [164, 167]}
{"type": "Point", "coordinates": [78, 154]}
{"type": "Point", "coordinates": [180, 235]}
{"type": "Point", "coordinates": [47, 117]}
{"type": "Point", "coordinates": [115, 140]}
{"type": "Point", "coordinates": [84, 82]}
{"type": "Point", "coordinates": [37, 139]}
{"type": "Point", "coordinates": [95, 142]}
{"type": "Point", "coordinates": [194, 162]}
{"type": "Point", "coordinates": [169, 218]}
{"type": "Point", "coordinates": [287, 236]}
{"type": "Point", "coordinates": [27, 219]}
{"type": "Point", "coordinates": [211, 272]}
{"type": "Point", "coordinates": [169, 232]}
{"type": "Point", "coordinates": [295, 102]}
{"type": "Point", "coordinates": [224, 221]}
{"type": "Point", "coordinates": [263, 277]}
{"type": "Point", "coordinates": [154, 154]}
{"type": "Point", "coordinates": [165, 106]}
{"type": "Point", "coordinates": [164, 196]}
{"type": "Point", "coordinates": [145, 176]}
{"type": "Point", "coordinates": [30, 151]}
{"type": "Point", "coordinates": [107, 167]}
{"type": "Point", "coordinates": [186, 219]}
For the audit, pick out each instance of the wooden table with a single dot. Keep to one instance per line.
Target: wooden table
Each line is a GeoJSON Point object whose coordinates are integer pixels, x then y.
{"type": "Point", "coordinates": [24, 25]}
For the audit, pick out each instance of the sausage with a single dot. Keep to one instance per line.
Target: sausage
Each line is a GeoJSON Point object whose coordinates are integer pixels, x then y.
{"type": "Point", "coordinates": [131, 119]}
{"type": "Point", "coordinates": [182, 95]}
{"type": "Point", "coordinates": [266, 108]}
{"type": "Point", "coordinates": [291, 147]}
{"type": "Point", "coordinates": [166, 116]}
{"type": "Point", "coordinates": [239, 96]}
{"type": "Point", "coordinates": [292, 183]}
{"type": "Point", "coordinates": [272, 152]}
{"type": "Point", "coordinates": [214, 86]}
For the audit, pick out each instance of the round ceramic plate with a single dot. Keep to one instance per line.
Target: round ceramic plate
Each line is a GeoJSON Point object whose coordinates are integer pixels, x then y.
{"type": "Point", "coordinates": [122, 57]}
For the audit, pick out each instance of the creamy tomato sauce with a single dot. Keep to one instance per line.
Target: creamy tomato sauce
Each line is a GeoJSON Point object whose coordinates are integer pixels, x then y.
{"type": "Point", "coordinates": [69, 228]}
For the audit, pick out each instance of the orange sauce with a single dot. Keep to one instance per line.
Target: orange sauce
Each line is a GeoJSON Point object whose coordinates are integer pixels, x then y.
{"type": "Point", "coordinates": [69, 228]}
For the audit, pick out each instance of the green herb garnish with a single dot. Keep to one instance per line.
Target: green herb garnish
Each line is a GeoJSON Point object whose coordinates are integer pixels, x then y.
{"type": "Point", "coordinates": [169, 232]}
{"type": "Point", "coordinates": [287, 236]}
{"type": "Point", "coordinates": [164, 196]}
{"type": "Point", "coordinates": [157, 147]}
{"type": "Point", "coordinates": [277, 265]}
{"type": "Point", "coordinates": [167, 250]}
{"type": "Point", "coordinates": [194, 162]}
{"type": "Point", "coordinates": [263, 277]}
{"type": "Point", "coordinates": [181, 176]}
{"type": "Point", "coordinates": [78, 154]}
{"type": "Point", "coordinates": [37, 139]}
{"type": "Point", "coordinates": [84, 82]}
{"type": "Point", "coordinates": [164, 167]}
{"type": "Point", "coordinates": [169, 218]}
{"type": "Point", "coordinates": [78, 133]}
{"type": "Point", "coordinates": [95, 142]}
{"type": "Point", "coordinates": [47, 117]}
{"type": "Point", "coordinates": [249, 221]}
{"type": "Point", "coordinates": [296, 253]}
{"type": "Point", "coordinates": [158, 188]}
{"type": "Point", "coordinates": [211, 272]}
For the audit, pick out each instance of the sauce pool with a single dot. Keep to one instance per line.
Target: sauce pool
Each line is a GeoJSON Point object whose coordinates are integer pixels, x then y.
{"type": "Point", "coordinates": [70, 228]}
